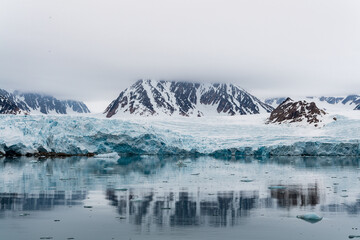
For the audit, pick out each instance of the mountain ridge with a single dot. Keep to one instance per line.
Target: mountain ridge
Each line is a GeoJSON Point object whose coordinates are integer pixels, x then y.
{"type": "Point", "coordinates": [151, 97]}
{"type": "Point", "coordinates": [351, 101]}
{"type": "Point", "coordinates": [28, 102]}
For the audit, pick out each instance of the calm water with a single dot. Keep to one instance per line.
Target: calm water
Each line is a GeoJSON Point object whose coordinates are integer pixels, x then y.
{"type": "Point", "coordinates": [172, 198]}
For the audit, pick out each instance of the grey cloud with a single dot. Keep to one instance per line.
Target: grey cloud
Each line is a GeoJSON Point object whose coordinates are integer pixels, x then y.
{"type": "Point", "coordinates": [91, 50]}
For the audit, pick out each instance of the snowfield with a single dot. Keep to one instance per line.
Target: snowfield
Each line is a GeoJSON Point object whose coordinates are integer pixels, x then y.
{"type": "Point", "coordinates": [219, 136]}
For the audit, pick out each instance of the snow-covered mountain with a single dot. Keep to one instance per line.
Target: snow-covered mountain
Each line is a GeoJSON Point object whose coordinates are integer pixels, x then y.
{"type": "Point", "coordinates": [25, 103]}
{"type": "Point", "coordinates": [10, 104]}
{"type": "Point", "coordinates": [150, 97]}
{"type": "Point", "coordinates": [47, 104]}
{"type": "Point", "coordinates": [350, 102]}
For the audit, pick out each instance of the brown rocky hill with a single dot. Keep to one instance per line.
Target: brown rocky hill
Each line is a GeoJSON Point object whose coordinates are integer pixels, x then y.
{"type": "Point", "coordinates": [291, 111]}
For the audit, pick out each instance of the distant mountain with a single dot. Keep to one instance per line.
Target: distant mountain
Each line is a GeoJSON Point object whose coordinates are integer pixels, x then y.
{"type": "Point", "coordinates": [150, 98]}
{"type": "Point", "coordinates": [26, 103]}
{"type": "Point", "coordinates": [290, 111]}
{"type": "Point", "coordinates": [348, 102]}
{"type": "Point", "coordinates": [352, 100]}
{"type": "Point", "coordinates": [274, 102]}
{"type": "Point", "coordinates": [47, 104]}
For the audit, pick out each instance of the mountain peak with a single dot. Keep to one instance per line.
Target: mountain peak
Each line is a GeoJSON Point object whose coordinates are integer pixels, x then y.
{"type": "Point", "coordinates": [150, 98]}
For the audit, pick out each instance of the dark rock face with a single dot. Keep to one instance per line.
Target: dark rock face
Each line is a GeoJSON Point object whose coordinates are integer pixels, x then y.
{"type": "Point", "coordinates": [16, 103]}
{"type": "Point", "coordinates": [301, 111]}
{"type": "Point", "coordinates": [148, 97]}
{"type": "Point", "coordinates": [357, 107]}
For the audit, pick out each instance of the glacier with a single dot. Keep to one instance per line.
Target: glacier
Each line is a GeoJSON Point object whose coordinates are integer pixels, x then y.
{"type": "Point", "coordinates": [225, 136]}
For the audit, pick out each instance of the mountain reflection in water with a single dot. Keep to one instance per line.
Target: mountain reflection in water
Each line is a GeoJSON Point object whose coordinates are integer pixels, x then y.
{"type": "Point", "coordinates": [206, 191]}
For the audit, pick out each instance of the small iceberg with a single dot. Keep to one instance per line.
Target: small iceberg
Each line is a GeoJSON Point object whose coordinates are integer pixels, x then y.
{"type": "Point", "coordinates": [310, 217]}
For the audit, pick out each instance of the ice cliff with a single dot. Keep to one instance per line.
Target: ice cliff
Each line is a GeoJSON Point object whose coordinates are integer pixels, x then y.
{"type": "Point", "coordinates": [223, 136]}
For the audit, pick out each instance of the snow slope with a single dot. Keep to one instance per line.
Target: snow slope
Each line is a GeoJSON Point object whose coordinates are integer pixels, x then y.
{"type": "Point", "coordinates": [220, 136]}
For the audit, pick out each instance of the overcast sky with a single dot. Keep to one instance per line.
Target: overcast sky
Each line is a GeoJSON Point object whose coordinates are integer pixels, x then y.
{"type": "Point", "coordinates": [91, 50]}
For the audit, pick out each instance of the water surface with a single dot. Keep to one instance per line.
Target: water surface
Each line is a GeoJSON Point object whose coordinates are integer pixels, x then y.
{"type": "Point", "coordinates": [179, 198]}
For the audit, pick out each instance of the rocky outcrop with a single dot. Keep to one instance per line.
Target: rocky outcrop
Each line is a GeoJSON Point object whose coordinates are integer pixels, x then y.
{"type": "Point", "coordinates": [150, 98]}
{"type": "Point", "coordinates": [297, 112]}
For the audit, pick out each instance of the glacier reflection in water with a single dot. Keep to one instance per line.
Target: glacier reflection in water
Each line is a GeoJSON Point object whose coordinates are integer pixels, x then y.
{"type": "Point", "coordinates": [150, 197]}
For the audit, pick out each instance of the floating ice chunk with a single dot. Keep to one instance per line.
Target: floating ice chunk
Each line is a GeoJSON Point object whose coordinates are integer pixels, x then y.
{"type": "Point", "coordinates": [310, 217]}
{"type": "Point", "coordinates": [24, 214]}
